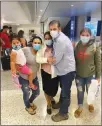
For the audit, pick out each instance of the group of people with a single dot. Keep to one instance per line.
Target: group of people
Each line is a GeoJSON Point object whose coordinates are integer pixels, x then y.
{"type": "Point", "coordinates": [60, 63]}
{"type": "Point", "coordinates": [6, 35]}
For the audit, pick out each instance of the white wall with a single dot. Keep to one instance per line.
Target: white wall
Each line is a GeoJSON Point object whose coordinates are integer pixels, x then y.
{"type": "Point", "coordinates": [80, 25]}
{"type": "Point", "coordinates": [1, 24]}
{"type": "Point", "coordinates": [96, 15]}
{"type": "Point", "coordinates": [14, 28]}
{"type": "Point", "coordinates": [46, 23]}
{"type": "Point", "coordinates": [63, 21]}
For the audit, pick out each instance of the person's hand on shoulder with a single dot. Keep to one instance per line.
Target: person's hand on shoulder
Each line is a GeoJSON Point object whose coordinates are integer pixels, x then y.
{"type": "Point", "coordinates": [51, 60]}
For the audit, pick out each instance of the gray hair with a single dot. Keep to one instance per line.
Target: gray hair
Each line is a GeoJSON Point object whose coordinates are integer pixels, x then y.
{"type": "Point", "coordinates": [55, 22]}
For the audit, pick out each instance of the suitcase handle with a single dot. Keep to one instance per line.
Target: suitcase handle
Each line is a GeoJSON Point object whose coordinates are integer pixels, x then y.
{"type": "Point", "coordinates": [6, 53]}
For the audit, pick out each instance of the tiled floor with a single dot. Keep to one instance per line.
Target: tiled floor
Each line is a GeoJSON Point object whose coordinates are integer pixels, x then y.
{"type": "Point", "coordinates": [13, 110]}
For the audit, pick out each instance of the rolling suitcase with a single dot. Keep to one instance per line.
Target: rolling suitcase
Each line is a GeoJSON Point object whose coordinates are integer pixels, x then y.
{"type": "Point", "coordinates": [5, 60]}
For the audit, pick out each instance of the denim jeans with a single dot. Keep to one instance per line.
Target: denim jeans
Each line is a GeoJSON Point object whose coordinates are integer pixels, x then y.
{"type": "Point", "coordinates": [65, 84]}
{"type": "Point", "coordinates": [26, 91]}
{"type": "Point", "coordinates": [81, 84]}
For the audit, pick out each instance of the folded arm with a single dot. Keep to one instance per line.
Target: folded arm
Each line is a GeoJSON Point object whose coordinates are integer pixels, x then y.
{"type": "Point", "coordinates": [40, 58]}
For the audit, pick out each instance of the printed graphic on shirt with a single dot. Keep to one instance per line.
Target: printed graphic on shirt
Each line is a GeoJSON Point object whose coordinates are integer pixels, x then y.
{"type": "Point", "coordinates": [82, 55]}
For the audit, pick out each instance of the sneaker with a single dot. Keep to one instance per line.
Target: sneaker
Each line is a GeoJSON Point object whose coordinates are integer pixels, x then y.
{"type": "Point", "coordinates": [30, 111]}
{"type": "Point", "coordinates": [59, 117]}
{"type": "Point", "coordinates": [49, 110]}
{"type": "Point", "coordinates": [56, 106]}
{"type": "Point", "coordinates": [33, 106]}
{"type": "Point", "coordinates": [91, 108]}
{"type": "Point", "coordinates": [78, 112]}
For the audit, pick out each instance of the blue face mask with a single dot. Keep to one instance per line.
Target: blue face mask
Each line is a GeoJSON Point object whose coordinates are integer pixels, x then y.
{"type": "Point", "coordinates": [48, 42]}
{"type": "Point", "coordinates": [16, 47]}
{"type": "Point", "coordinates": [36, 46]}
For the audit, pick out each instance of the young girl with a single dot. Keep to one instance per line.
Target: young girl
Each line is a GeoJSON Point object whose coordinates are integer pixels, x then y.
{"type": "Point", "coordinates": [88, 64]}
{"type": "Point", "coordinates": [18, 62]}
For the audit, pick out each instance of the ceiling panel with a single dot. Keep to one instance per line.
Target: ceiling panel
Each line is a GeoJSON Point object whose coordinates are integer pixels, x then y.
{"type": "Point", "coordinates": [27, 12]}
{"type": "Point", "coordinates": [41, 9]}
{"type": "Point", "coordinates": [64, 9]}
{"type": "Point", "coordinates": [23, 12]}
{"type": "Point", "coordinates": [29, 9]}
{"type": "Point", "coordinates": [12, 12]}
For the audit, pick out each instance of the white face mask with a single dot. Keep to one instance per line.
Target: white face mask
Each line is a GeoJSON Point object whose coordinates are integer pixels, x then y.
{"type": "Point", "coordinates": [54, 34]}
{"type": "Point", "coordinates": [84, 39]}
{"type": "Point", "coordinates": [8, 31]}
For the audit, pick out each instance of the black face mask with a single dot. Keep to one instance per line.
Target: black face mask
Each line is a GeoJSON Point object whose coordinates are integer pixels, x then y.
{"type": "Point", "coordinates": [50, 46]}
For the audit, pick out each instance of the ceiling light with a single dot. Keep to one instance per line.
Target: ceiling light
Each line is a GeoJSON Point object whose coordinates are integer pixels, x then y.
{"type": "Point", "coordinates": [39, 16]}
{"type": "Point", "coordinates": [41, 10]}
{"type": "Point", "coordinates": [72, 5]}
